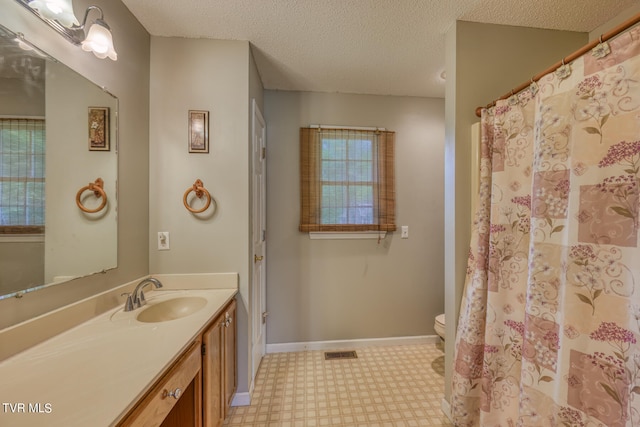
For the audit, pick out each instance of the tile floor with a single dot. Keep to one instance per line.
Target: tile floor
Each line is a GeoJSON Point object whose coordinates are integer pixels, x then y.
{"type": "Point", "coordinates": [384, 386]}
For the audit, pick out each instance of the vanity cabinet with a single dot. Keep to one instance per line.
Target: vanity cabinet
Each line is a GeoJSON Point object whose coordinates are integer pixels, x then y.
{"type": "Point", "coordinates": [197, 389]}
{"type": "Point", "coordinates": [176, 399]}
{"type": "Point", "coordinates": [219, 367]}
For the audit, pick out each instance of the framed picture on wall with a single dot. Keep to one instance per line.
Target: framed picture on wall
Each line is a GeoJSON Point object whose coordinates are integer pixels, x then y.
{"type": "Point", "coordinates": [99, 129]}
{"type": "Point", "coordinates": [198, 131]}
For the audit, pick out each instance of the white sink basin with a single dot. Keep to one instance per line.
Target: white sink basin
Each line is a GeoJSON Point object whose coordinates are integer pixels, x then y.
{"type": "Point", "coordinates": [171, 309]}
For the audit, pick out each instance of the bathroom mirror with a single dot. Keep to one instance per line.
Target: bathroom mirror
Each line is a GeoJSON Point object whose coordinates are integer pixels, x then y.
{"type": "Point", "coordinates": [58, 135]}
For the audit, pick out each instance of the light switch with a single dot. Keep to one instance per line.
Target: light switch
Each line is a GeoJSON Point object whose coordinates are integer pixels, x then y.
{"type": "Point", "coordinates": [163, 240]}
{"type": "Point", "coordinates": [404, 232]}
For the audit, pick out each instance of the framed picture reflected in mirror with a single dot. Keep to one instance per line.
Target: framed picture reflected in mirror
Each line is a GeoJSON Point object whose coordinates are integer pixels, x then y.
{"type": "Point", "coordinates": [99, 129]}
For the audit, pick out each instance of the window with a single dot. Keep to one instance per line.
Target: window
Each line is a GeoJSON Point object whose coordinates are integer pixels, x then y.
{"type": "Point", "coordinates": [22, 164]}
{"type": "Point", "coordinates": [347, 180]}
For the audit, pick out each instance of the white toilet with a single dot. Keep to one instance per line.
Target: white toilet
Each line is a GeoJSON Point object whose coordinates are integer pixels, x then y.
{"type": "Point", "coordinates": [439, 325]}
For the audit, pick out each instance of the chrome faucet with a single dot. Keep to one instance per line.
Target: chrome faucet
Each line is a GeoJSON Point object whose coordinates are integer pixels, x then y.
{"type": "Point", "coordinates": [136, 299]}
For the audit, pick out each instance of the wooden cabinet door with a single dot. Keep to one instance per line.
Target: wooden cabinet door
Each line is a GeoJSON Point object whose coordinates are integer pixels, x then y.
{"type": "Point", "coordinates": [230, 381]}
{"type": "Point", "coordinates": [212, 374]}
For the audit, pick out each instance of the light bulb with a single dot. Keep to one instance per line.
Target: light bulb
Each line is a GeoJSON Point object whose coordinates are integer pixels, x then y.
{"type": "Point", "coordinates": [99, 41]}
{"type": "Point", "coordinates": [56, 10]}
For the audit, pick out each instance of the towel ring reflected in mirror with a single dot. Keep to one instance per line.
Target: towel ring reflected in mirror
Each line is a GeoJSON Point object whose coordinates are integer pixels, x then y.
{"type": "Point", "coordinates": [98, 191]}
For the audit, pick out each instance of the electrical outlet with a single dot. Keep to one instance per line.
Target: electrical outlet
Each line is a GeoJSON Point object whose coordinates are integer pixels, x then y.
{"type": "Point", "coordinates": [163, 240]}
{"type": "Point", "coordinates": [404, 233]}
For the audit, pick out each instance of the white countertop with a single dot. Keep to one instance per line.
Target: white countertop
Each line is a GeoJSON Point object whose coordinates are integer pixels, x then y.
{"type": "Point", "coordinates": [91, 375]}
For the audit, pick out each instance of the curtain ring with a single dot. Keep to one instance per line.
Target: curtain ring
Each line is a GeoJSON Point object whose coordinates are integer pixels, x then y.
{"type": "Point", "coordinates": [601, 50]}
{"type": "Point", "coordinates": [513, 99]}
{"type": "Point", "coordinates": [533, 87]}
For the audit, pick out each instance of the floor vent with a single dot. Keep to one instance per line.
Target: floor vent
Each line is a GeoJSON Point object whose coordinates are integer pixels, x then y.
{"type": "Point", "coordinates": [330, 355]}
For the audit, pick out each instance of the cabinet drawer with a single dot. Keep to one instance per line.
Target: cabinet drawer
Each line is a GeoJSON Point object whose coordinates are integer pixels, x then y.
{"type": "Point", "coordinates": [159, 402]}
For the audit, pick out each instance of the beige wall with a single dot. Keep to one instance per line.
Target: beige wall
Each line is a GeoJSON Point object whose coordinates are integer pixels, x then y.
{"type": "Point", "coordinates": [352, 289]}
{"type": "Point", "coordinates": [256, 91]}
{"type": "Point", "coordinates": [608, 26]}
{"type": "Point", "coordinates": [128, 79]}
{"type": "Point", "coordinates": [20, 99]}
{"type": "Point", "coordinates": [213, 75]}
{"type": "Point", "coordinates": [21, 265]}
{"type": "Point", "coordinates": [483, 62]}
{"type": "Point", "coordinates": [77, 243]}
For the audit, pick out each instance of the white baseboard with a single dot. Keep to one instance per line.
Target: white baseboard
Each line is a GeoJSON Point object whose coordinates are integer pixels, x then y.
{"type": "Point", "coordinates": [358, 343]}
{"type": "Point", "coordinates": [446, 409]}
{"type": "Point", "coordinates": [241, 399]}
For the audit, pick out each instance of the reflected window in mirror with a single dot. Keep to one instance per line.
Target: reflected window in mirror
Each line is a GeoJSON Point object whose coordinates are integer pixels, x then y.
{"type": "Point", "coordinates": [56, 241]}
{"type": "Point", "coordinates": [22, 175]}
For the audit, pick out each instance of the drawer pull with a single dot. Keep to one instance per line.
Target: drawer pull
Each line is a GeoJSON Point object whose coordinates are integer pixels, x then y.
{"type": "Point", "coordinates": [175, 393]}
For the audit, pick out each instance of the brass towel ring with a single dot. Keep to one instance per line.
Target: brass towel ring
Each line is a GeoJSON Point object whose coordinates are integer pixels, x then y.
{"type": "Point", "coordinates": [96, 187]}
{"type": "Point", "coordinates": [198, 188]}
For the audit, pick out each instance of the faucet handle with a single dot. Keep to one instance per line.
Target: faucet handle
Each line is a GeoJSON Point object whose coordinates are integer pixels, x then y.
{"type": "Point", "coordinates": [128, 305]}
{"type": "Point", "coordinates": [141, 300]}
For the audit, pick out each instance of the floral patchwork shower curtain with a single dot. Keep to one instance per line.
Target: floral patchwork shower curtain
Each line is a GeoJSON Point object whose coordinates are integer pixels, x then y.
{"type": "Point", "coordinates": [550, 317]}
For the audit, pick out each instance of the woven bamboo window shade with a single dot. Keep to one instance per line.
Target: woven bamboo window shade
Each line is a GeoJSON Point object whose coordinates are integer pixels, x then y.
{"type": "Point", "coordinates": [346, 180]}
{"type": "Point", "coordinates": [22, 176]}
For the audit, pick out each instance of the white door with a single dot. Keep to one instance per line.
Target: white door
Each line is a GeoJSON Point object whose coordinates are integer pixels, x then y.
{"type": "Point", "coordinates": [259, 278]}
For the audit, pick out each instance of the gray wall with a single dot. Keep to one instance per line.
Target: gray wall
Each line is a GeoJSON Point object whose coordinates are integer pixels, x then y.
{"type": "Point", "coordinates": [212, 75]}
{"type": "Point", "coordinates": [483, 62]}
{"type": "Point", "coordinates": [19, 99]}
{"type": "Point", "coordinates": [351, 289]}
{"type": "Point", "coordinates": [128, 79]}
{"type": "Point", "coordinates": [77, 243]}
{"type": "Point", "coordinates": [21, 263]}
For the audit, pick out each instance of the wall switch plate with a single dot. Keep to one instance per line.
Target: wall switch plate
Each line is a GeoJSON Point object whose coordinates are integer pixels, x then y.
{"type": "Point", "coordinates": [163, 240]}
{"type": "Point", "coordinates": [404, 233]}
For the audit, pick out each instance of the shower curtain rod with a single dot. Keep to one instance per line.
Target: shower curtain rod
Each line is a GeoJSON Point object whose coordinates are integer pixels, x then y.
{"type": "Point", "coordinates": [575, 55]}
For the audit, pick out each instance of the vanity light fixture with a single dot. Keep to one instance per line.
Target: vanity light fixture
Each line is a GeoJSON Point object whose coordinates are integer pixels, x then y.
{"type": "Point", "coordinates": [98, 40]}
{"type": "Point", "coordinates": [59, 15]}
{"type": "Point", "coordinates": [59, 10]}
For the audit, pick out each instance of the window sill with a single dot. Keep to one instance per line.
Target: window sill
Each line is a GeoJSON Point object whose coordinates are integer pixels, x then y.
{"type": "Point", "coordinates": [21, 238]}
{"type": "Point", "coordinates": [329, 235]}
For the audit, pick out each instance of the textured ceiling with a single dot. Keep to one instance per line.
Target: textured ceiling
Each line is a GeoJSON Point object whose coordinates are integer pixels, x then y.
{"type": "Point", "coordinates": [385, 47]}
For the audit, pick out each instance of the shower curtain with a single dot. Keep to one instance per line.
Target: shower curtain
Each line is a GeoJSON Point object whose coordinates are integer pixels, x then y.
{"type": "Point", "coordinates": [549, 322]}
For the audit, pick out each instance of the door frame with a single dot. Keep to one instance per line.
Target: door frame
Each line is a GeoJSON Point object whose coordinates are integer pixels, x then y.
{"type": "Point", "coordinates": [258, 247]}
